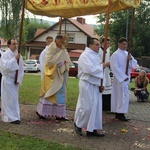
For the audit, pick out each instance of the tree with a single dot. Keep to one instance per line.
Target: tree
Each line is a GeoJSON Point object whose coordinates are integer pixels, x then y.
{"type": "Point", "coordinates": [10, 17]}
{"type": "Point", "coordinates": [118, 23]}
{"type": "Point", "coordinates": [141, 38]}
{"type": "Point", "coordinates": [29, 29]}
{"type": "Point", "coordinates": [32, 25]}
{"type": "Point", "coordinates": [119, 26]}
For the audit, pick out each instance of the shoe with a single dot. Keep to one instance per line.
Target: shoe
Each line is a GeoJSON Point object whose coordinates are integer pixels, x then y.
{"type": "Point", "coordinates": [62, 118]}
{"type": "Point", "coordinates": [95, 133]}
{"type": "Point", "coordinates": [16, 122]}
{"type": "Point", "coordinates": [117, 115]}
{"type": "Point", "coordinates": [121, 117]}
{"type": "Point", "coordinates": [41, 117]}
{"type": "Point", "coordinates": [78, 130]}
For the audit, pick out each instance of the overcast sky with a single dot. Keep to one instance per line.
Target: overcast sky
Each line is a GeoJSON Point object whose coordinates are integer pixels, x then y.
{"type": "Point", "coordinates": [90, 19]}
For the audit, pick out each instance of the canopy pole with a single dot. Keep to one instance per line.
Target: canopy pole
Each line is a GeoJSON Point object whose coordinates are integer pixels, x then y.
{"type": "Point", "coordinates": [130, 39]}
{"type": "Point", "coordinates": [60, 25]}
{"type": "Point", "coordinates": [105, 41]}
{"type": "Point", "coordinates": [20, 37]}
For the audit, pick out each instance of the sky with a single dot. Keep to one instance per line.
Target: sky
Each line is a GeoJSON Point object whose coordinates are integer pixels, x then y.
{"type": "Point", "coordinates": [90, 19]}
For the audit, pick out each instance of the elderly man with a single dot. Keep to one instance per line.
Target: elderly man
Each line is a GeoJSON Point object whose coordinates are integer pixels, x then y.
{"type": "Point", "coordinates": [53, 87]}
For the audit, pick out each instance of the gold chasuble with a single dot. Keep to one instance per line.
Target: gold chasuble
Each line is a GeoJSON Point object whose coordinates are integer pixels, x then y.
{"type": "Point", "coordinates": [55, 72]}
{"type": "Point", "coordinates": [47, 81]}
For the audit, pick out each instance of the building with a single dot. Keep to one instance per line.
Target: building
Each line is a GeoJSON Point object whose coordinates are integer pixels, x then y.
{"type": "Point", "coordinates": [3, 44]}
{"type": "Point", "coordinates": [75, 54]}
{"type": "Point", "coordinates": [77, 31]}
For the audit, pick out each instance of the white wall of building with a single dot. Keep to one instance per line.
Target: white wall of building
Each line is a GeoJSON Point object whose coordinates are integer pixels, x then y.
{"type": "Point", "coordinates": [79, 37]}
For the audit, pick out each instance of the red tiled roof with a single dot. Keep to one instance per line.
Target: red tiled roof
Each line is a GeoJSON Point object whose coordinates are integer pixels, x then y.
{"type": "Point", "coordinates": [39, 31]}
{"type": "Point", "coordinates": [86, 28]}
{"type": "Point", "coordinates": [35, 44]}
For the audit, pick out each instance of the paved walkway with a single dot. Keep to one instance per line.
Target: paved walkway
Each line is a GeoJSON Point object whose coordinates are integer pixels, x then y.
{"type": "Point", "coordinates": [132, 135]}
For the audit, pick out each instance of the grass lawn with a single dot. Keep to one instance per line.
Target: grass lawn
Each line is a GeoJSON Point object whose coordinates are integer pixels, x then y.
{"type": "Point", "coordinates": [29, 90]}
{"type": "Point", "coordinates": [10, 141]}
{"type": "Point", "coordinates": [29, 94]}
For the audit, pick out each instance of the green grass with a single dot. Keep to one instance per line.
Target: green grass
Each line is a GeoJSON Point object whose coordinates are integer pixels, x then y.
{"type": "Point", "coordinates": [10, 141]}
{"type": "Point", "coordinates": [29, 94]}
{"type": "Point", "coordinates": [72, 93]}
{"type": "Point", "coordinates": [29, 91]}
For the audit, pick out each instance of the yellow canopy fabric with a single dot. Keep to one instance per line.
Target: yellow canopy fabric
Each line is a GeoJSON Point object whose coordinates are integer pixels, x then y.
{"type": "Point", "coordinates": [72, 8]}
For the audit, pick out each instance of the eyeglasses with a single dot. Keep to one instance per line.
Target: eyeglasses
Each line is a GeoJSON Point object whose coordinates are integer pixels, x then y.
{"type": "Point", "coordinates": [96, 44]}
{"type": "Point", "coordinates": [14, 43]}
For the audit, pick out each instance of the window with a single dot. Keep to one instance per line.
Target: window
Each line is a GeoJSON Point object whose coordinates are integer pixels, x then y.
{"type": "Point", "coordinates": [71, 38]}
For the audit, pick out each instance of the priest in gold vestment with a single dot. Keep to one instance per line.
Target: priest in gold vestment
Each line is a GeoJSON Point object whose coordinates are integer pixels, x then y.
{"type": "Point", "coordinates": [53, 94]}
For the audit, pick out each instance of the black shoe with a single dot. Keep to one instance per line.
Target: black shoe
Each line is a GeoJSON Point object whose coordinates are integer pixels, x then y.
{"type": "Point", "coordinates": [62, 118]}
{"type": "Point", "coordinates": [95, 133]}
{"type": "Point", "coordinates": [16, 122]}
{"type": "Point", "coordinates": [117, 115]}
{"type": "Point", "coordinates": [41, 117]}
{"type": "Point", "coordinates": [78, 130]}
{"type": "Point", "coordinates": [121, 117]}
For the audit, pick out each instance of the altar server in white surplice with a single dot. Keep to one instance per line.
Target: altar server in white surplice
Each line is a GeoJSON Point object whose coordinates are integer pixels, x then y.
{"type": "Point", "coordinates": [49, 40]}
{"type": "Point", "coordinates": [106, 94]}
{"type": "Point", "coordinates": [89, 106]}
{"type": "Point", "coordinates": [120, 92]}
{"type": "Point", "coordinates": [9, 91]}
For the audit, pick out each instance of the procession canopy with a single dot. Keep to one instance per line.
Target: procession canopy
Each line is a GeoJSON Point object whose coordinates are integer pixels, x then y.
{"type": "Point", "coordinates": [72, 8]}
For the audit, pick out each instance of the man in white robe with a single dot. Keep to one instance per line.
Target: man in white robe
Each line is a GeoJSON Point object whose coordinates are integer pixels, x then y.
{"type": "Point", "coordinates": [49, 40]}
{"type": "Point", "coordinates": [9, 97]}
{"type": "Point", "coordinates": [120, 92]}
{"type": "Point", "coordinates": [89, 106]}
{"type": "Point", "coordinates": [106, 94]}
